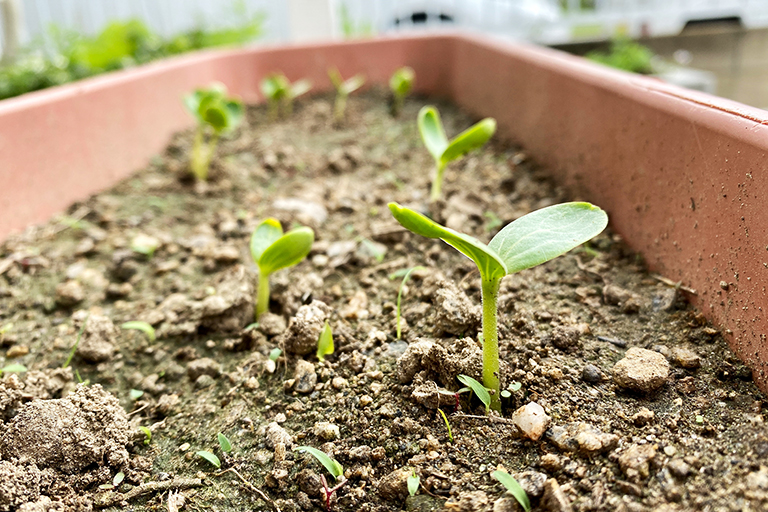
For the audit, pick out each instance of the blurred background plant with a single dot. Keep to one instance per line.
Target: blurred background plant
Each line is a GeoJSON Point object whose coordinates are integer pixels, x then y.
{"type": "Point", "coordinates": [625, 54]}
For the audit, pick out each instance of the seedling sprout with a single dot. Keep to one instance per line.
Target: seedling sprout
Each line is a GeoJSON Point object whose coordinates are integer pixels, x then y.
{"type": "Point", "coordinates": [224, 443]}
{"type": "Point", "coordinates": [214, 111]}
{"type": "Point", "coordinates": [13, 368]}
{"type": "Point", "coordinates": [447, 425]}
{"type": "Point", "coordinates": [274, 354]}
{"type": "Point", "coordinates": [325, 343]}
{"type": "Point", "coordinates": [401, 83]}
{"type": "Point", "coordinates": [445, 151]}
{"type": "Point", "coordinates": [514, 488]}
{"type": "Point", "coordinates": [135, 394]}
{"type": "Point", "coordinates": [211, 458]}
{"type": "Point", "coordinates": [272, 251]}
{"type": "Point", "coordinates": [527, 242]}
{"type": "Point", "coordinates": [332, 466]}
{"type": "Point", "coordinates": [343, 89]}
{"type": "Point", "coordinates": [141, 326]}
{"type": "Point", "coordinates": [147, 435]}
{"type": "Point", "coordinates": [279, 90]}
{"type": "Point", "coordinates": [480, 391]}
{"type": "Point", "coordinates": [406, 276]}
{"type": "Point", "coordinates": [413, 483]}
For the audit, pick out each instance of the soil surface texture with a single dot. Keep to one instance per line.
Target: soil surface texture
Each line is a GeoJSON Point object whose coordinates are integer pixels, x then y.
{"type": "Point", "coordinates": [619, 396]}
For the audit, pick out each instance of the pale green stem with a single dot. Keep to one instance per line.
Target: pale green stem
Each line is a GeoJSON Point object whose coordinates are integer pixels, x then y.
{"type": "Point", "coordinates": [273, 109]}
{"type": "Point", "coordinates": [490, 294]}
{"type": "Point", "coordinates": [339, 107]}
{"type": "Point", "coordinates": [397, 104]}
{"type": "Point", "coordinates": [262, 297]}
{"type": "Point", "coordinates": [196, 162]}
{"type": "Point", "coordinates": [437, 182]}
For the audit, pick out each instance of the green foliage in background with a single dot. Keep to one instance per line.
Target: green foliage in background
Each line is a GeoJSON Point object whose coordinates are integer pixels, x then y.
{"type": "Point", "coordinates": [625, 54]}
{"type": "Point", "coordinates": [70, 56]}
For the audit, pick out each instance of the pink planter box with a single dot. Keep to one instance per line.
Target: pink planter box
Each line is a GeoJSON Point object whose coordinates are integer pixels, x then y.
{"type": "Point", "coordinates": [682, 175]}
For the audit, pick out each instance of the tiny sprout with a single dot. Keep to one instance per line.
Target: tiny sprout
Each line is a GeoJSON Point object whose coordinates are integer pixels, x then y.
{"type": "Point", "coordinates": [514, 488]}
{"type": "Point", "coordinates": [331, 465]}
{"type": "Point", "coordinates": [480, 391]}
{"type": "Point", "coordinates": [444, 151]}
{"type": "Point", "coordinates": [447, 425]}
{"type": "Point", "coordinates": [401, 83]}
{"type": "Point", "coordinates": [224, 443]}
{"type": "Point", "coordinates": [272, 250]}
{"type": "Point", "coordinates": [527, 242]}
{"type": "Point", "coordinates": [213, 459]}
{"type": "Point", "coordinates": [145, 244]}
{"type": "Point", "coordinates": [278, 89]}
{"type": "Point", "coordinates": [406, 275]}
{"type": "Point", "coordinates": [325, 342]}
{"type": "Point", "coordinates": [413, 483]}
{"type": "Point", "coordinates": [119, 477]}
{"type": "Point", "coordinates": [141, 326]}
{"type": "Point", "coordinates": [274, 354]}
{"type": "Point", "coordinates": [213, 109]}
{"type": "Point", "coordinates": [13, 368]}
{"type": "Point", "coordinates": [135, 394]}
{"type": "Point", "coordinates": [147, 434]}
{"type": "Point", "coordinates": [343, 89]}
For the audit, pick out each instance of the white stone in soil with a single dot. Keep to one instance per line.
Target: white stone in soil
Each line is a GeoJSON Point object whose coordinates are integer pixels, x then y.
{"type": "Point", "coordinates": [532, 420]}
{"type": "Point", "coordinates": [641, 370]}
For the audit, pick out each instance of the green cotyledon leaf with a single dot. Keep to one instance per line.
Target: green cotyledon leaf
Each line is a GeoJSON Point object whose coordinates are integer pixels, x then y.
{"type": "Point", "coordinates": [263, 236]}
{"type": "Point", "coordinates": [287, 250]}
{"type": "Point", "coordinates": [491, 266]}
{"type": "Point", "coordinates": [547, 233]}
{"type": "Point", "coordinates": [432, 132]}
{"type": "Point", "coordinates": [332, 465]}
{"type": "Point", "coordinates": [470, 139]}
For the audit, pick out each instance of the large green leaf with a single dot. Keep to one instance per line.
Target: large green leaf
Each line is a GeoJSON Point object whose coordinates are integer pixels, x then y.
{"type": "Point", "coordinates": [263, 236]}
{"type": "Point", "coordinates": [547, 233]}
{"type": "Point", "coordinates": [486, 259]}
{"type": "Point", "coordinates": [432, 132]}
{"type": "Point", "coordinates": [468, 140]}
{"type": "Point", "coordinates": [215, 114]}
{"type": "Point", "coordinates": [287, 250]}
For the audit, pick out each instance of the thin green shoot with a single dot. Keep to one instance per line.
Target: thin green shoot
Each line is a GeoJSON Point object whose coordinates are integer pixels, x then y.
{"type": "Point", "coordinates": [251, 326]}
{"type": "Point", "coordinates": [413, 483]}
{"type": "Point", "coordinates": [480, 391]}
{"type": "Point", "coordinates": [406, 276]}
{"type": "Point", "coordinates": [280, 91]}
{"type": "Point", "coordinates": [447, 425]}
{"type": "Point", "coordinates": [401, 83]}
{"type": "Point", "coordinates": [274, 354]}
{"type": "Point", "coordinates": [140, 326]}
{"type": "Point", "coordinates": [343, 89]}
{"type": "Point", "coordinates": [272, 250]}
{"type": "Point", "coordinates": [527, 242]}
{"type": "Point", "coordinates": [325, 343]}
{"type": "Point", "coordinates": [135, 394]}
{"type": "Point", "coordinates": [445, 151]}
{"type": "Point", "coordinates": [378, 251]}
{"type": "Point", "coordinates": [13, 368]}
{"type": "Point", "coordinates": [224, 443]}
{"type": "Point", "coordinates": [77, 342]}
{"type": "Point", "coordinates": [514, 488]}
{"type": "Point", "coordinates": [147, 434]}
{"type": "Point", "coordinates": [332, 466]}
{"type": "Point", "coordinates": [210, 457]}
{"type": "Point", "coordinates": [217, 113]}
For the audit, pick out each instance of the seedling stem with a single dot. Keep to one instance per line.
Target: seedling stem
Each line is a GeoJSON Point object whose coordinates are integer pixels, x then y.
{"type": "Point", "coordinates": [490, 295]}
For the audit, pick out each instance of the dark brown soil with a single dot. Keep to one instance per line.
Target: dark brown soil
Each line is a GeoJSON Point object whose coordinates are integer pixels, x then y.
{"type": "Point", "coordinates": [678, 426]}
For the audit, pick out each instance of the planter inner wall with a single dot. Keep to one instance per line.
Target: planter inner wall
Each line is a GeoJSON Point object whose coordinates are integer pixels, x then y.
{"type": "Point", "coordinates": [681, 174]}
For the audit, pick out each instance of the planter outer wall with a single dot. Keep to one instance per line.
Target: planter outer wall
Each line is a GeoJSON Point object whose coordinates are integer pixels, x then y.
{"type": "Point", "coordinates": [682, 175]}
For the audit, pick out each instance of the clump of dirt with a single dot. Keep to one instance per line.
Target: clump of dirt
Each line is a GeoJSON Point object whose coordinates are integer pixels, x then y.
{"type": "Point", "coordinates": [618, 395]}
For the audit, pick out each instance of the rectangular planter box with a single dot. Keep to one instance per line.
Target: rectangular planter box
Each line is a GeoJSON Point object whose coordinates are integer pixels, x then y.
{"type": "Point", "coordinates": [681, 174]}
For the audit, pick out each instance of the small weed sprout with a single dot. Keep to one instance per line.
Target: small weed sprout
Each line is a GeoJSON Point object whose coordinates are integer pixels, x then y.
{"type": "Point", "coordinates": [406, 274]}
{"type": "Point", "coordinates": [447, 425]}
{"type": "Point", "coordinates": [343, 89]}
{"type": "Point", "coordinates": [211, 458]}
{"type": "Point", "coordinates": [147, 435]}
{"type": "Point", "coordinates": [514, 488]}
{"type": "Point", "coordinates": [480, 391]}
{"type": "Point", "coordinates": [401, 83]}
{"type": "Point", "coordinates": [140, 326]}
{"type": "Point", "coordinates": [274, 354]}
{"type": "Point", "coordinates": [73, 350]}
{"type": "Point", "coordinates": [527, 242]}
{"type": "Point", "coordinates": [445, 151]}
{"type": "Point", "coordinates": [332, 466]}
{"type": "Point", "coordinates": [413, 483]}
{"type": "Point", "coordinates": [214, 111]}
{"type": "Point", "coordinates": [325, 343]}
{"type": "Point", "coordinates": [13, 368]}
{"type": "Point", "coordinates": [135, 394]}
{"type": "Point", "coordinates": [224, 443]}
{"type": "Point", "coordinates": [272, 250]}
{"type": "Point", "coordinates": [280, 91]}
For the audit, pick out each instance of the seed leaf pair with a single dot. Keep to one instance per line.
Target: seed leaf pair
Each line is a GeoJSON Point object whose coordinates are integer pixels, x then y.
{"type": "Point", "coordinates": [343, 89]}
{"type": "Point", "coordinates": [401, 83]}
{"type": "Point", "coordinates": [444, 151]}
{"type": "Point", "coordinates": [278, 89]}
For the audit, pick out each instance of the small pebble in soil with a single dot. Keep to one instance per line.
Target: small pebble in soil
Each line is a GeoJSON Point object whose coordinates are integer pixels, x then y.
{"type": "Point", "coordinates": [635, 461]}
{"type": "Point", "coordinates": [69, 293]}
{"type": "Point", "coordinates": [641, 370]}
{"type": "Point", "coordinates": [554, 499]}
{"type": "Point", "coordinates": [304, 377]}
{"type": "Point", "coordinates": [686, 358]}
{"type": "Point", "coordinates": [531, 420]}
{"type": "Point", "coordinates": [304, 328]}
{"type": "Point", "coordinates": [591, 374]}
{"type": "Point", "coordinates": [643, 417]}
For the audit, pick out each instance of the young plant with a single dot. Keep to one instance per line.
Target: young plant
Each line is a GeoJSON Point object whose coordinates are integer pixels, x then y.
{"type": "Point", "coordinates": [13, 368]}
{"type": "Point", "coordinates": [413, 483]}
{"type": "Point", "coordinates": [325, 343]}
{"type": "Point", "coordinates": [272, 251]}
{"type": "Point", "coordinates": [445, 151]}
{"type": "Point", "coordinates": [211, 458]}
{"type": "Point", "coordinates": [447, 425]}
{"type": "Point", "coordinates": [514, 488]}
{"type": "Point", "coordinates": [214, 111]}
{"type": "Point", "coordinates": [343, 89]}
{"type": "Point", "coordinates": [406, 275]}
{"type": "Point", "coordinates": [400, 83]}
{"type": "Point", "coordinates": [332, 466]}
{"type": "Point", "coordinates": [141, 326]}
{"type": "Point", "coordinates": [224, 443]}
{"type": "Point", "coordinates": [527, 242]}
{"type": "Point", "coordinates": [280, 91]}
{"type": "Point", "coordinates": [147, 434]}
{"type": "Point", "coordinates": [480, 391]}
